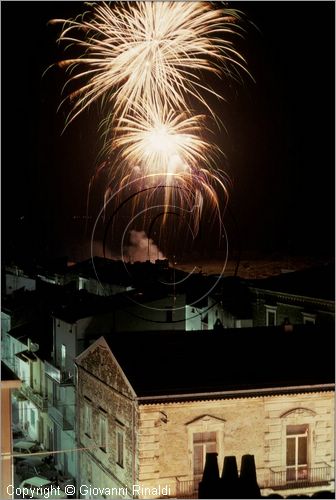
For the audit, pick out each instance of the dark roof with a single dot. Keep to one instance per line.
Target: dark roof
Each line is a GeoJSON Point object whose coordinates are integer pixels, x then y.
{"type": "Point", "coordinates": [18, 301]}
{"type": "Point", "coordinates": [83, 304]}
{"type": "Point", "coordinates": [317, 282]}
{"type": "Point", "coordinates": [177, 363]}
{"type": "Point", "coordinates": [58, 265]}
{"type": "Point", "coordinates": [105, 270]}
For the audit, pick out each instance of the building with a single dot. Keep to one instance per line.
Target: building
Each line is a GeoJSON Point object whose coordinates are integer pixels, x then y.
{"type": "Point", "coordinates": [292, 297]}
{"type": "Point", "coordinates": [300, 297]}
{"type": "Point", "coordinates": [24, 349]}
{"type": "Point", "coordinates": [173, 397]}
{"type": "Point", "coordinates": [215, 302]}
{"type": "Point", "coordinates": [102, 276]}
{"type": "Point", "coordinates": [107, 430]}
{"type": "Point", "coordinates": [9, 382]}
{"type": "Point", "coordinates": [74, 324]}
{"type": "Point", "coordinates": [17, 278]}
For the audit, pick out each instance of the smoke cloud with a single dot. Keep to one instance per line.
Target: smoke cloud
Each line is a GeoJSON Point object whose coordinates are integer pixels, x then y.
{"type": "Point", "coordinates": [141, 248]}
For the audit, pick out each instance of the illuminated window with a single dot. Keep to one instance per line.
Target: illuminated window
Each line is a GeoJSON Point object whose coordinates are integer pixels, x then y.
{"type": "Point", "coordinates": [309, 319]}
{"type": "Point", "coordinates": [63, 356]}
{"type": "Point", "coordinates": [296, 452]}
{"type": "Point", "coordinates": [102, 433]}
{"type": "Point", "coordinates": [88, 419]}
{"type": "Point", "coordinates": [203, 443]}
{"type": "Point", "coordinates": [120, 447]}
{"type": "Point", "coordinates": [270, 316]}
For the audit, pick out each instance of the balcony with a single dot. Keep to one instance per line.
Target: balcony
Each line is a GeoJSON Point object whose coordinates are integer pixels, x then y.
{"type": "Point", "coordinates": [56, 374]}
{"type": "Point", "coordinates": [187, 489]}
{"type": "Point", "coordinates": [37, 399]}
{"type": "Point", "coordinates": [300, 477]}
{"type": "Point", "coordinates": [57, 416]}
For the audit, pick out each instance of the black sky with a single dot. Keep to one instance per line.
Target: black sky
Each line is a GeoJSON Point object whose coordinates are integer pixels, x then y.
{"type": "Point", "coordinates": [279, 144]}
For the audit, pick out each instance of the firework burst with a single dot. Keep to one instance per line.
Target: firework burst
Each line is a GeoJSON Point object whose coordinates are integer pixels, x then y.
{"type": "Point", "coordinates": [151, 53]}
{"type": "Point", "coordinates": [162, 140]}
{"type": "Point", "coordinates": [146, 62]}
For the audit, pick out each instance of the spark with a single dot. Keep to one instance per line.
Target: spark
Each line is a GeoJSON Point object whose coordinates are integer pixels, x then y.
{"type": "Point", "coordinates": [166, 147]}
{"type": "Point", "coordinates": [152, 53]}
{"type": "Point", "coordinates": [162, 140]}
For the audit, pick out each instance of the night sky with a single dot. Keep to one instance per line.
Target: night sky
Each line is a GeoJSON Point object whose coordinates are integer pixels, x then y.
{"type": "Point", "coordinates": [279, 142]}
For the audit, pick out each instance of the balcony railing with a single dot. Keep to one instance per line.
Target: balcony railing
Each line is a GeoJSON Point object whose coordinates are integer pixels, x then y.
{"type": "Point", "coordinates": [37, 399]}
{"type": "Point", "coordinates": [300, 477]}
{"type": "Point", "coordinates": [187, 488]}
{"type": "Point", "coordinates": [57, 374]}
{"type": "Point", "coordinates": [58, 417]}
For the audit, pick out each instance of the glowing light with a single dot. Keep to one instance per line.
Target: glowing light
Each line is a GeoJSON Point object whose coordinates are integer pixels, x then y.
{"type": "Point", "coordinates": [162, 140]}
{"type": "Point", "coordinates": [149, 52]}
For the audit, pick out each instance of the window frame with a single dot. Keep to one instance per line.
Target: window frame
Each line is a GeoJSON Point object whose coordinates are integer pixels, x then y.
{"type": "Point", "coordinates": [120, 450]}
{"type": "Point", "coordinates": [297, 466]}
{"type": "Point", "coordinates": [271, 310]}
{"type": "Point", "coordinates": [32, 417]}
{"type": "Point", "coordinates": [205, 423]}
{"type": "Point", "coordinates": [102, 422]}
{"type": "Point", "coordinates": [87, 418]}
{"type": "Point", "coordinates": [308, 318]}
{"type": "Point", "coordinates": [203, 444]}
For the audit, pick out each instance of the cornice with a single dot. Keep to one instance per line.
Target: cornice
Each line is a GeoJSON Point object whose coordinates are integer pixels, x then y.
{"type": "Point", "coordinates": [301, 299]}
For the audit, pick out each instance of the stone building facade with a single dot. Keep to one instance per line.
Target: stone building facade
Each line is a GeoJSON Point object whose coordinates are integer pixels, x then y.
{"type": "Point", "coordinates": [168, 421]}
{"type": "Point", "coordinates": [174, 437]}
{"type": "Point", "coordinates": [107, 430]}
{"type": "Point", "coordinates": [26, 359]}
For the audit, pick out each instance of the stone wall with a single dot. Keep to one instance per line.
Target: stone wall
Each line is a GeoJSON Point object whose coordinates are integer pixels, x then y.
{"type": "Point", "coordinates": [255, 425]}
{"type": "Point", "coordinates": [102, 386]}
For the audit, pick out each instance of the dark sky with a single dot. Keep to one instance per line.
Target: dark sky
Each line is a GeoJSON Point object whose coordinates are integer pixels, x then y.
{"type": "Point", "coordinates": [279, 141]}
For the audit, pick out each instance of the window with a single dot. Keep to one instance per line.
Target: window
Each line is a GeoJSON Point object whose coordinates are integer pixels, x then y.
{"type": "Point", "coordinates": [87, 419]}
{"type": "Point", "coordinates": [63, 356]}
{"type": "Point", "coordinates": [309, 319]}
{"type": "Point", "coordinates": [32, 417]}
{"type": "Point", "coordinates": [56, 394]}
{"type": "Point", "coordinates": [120, 447]}
{"type": "Point", "coordinates": [270, 316]}
{"type": "Point", "coordinates": [102, 433]}
{"type": "Point", "coordinates": [296, 452]}
{"type": "Point", "coordinates": [203, 443]}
